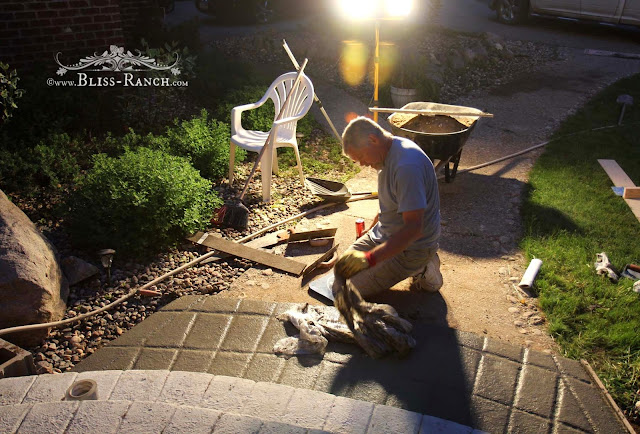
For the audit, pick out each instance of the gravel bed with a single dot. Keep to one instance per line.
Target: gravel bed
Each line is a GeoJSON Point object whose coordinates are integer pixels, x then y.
{"type": "Point", "coordinates": [66, 347]}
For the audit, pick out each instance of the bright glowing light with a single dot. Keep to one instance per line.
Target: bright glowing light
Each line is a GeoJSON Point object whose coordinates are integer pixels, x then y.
{"type": "Point", "coordinates": [398, 8]}
{"type": "Point", "coordinates": [359, 9]}
{"type": "Point", "coordinates": [353, 62]}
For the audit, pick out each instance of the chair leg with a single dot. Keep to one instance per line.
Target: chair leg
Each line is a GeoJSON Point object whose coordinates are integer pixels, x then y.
{"type": "Point", "coordinates": [295, 149]}
{"type": "Point", "coordinates": [275, 162]}
{"type": "Point", "coordinates": [266, 167]}
{"type": "Point", "coordinates": [232, 160]}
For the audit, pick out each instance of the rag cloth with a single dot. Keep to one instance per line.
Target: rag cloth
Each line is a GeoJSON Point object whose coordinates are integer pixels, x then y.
{"type": "Point", "coordinates": [376, 328]}
{"type": "Point", "coordinates": [604, 267]}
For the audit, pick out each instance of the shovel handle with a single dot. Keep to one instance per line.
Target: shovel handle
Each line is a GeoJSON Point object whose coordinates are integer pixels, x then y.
{"type": "Point", "coordinates": [282, 110]}
{"type": "Point", "coordinates": [430, 112]}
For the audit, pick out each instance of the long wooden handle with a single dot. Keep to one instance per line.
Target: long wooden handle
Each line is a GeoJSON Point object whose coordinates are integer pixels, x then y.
{"type": "Point", "coordinates": [315, 96]}
{"type": "Point", "coordinates": [282, 110]}
{"type": "Point", "coordinates": [430, 112]}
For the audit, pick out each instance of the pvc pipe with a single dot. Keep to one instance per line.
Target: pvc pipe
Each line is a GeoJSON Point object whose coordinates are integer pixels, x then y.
{"type": "Point", "coordinates": [82, 390]}
{"type": "Point", "coordinates": [530, 274]}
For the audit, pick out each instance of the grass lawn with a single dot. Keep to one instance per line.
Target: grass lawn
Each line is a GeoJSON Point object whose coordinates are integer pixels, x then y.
{"type": "Point", "coordinates": [570, 215]}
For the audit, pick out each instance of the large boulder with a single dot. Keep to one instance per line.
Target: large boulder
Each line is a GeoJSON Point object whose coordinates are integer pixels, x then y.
{"type": "Point", "coordinates": [33, 288]}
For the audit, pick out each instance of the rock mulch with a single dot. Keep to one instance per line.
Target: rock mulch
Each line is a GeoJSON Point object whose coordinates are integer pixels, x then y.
{"type": "Point", "coordinates": [66, 347]}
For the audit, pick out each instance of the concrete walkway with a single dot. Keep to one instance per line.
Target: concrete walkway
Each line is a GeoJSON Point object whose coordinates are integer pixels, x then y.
{"type": "Point", "coordinates": [194, 402]}
{"type": "Point", "coordinates": [459, 377]}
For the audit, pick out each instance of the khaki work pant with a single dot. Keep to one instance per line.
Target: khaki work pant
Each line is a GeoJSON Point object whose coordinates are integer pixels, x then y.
{"type": "Point", "coordinates": [424, 264]}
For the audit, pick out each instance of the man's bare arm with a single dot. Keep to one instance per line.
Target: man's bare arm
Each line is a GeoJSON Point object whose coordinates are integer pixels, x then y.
{"type": "Point", "coordinates": [411, 231]}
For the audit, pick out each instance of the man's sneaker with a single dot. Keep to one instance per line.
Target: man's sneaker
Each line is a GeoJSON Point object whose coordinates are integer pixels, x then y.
{"type": "Point", "coordinates": [429, 280]}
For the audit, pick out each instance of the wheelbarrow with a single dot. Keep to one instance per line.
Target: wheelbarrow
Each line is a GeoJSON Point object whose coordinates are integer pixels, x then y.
{"type": "Point", "coordinates": [441, 130]}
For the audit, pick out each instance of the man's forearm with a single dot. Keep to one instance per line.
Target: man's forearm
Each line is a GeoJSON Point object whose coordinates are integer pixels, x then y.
{"type": "Point", "coordinates": [396, 243]}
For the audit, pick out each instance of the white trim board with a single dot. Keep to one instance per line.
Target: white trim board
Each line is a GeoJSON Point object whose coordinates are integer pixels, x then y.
{"type": "Point", "coordinates": [620, 179]}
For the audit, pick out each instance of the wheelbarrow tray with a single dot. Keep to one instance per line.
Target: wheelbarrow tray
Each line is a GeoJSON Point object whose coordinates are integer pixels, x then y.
{"type": "Point", "coordinates": [443, 146]}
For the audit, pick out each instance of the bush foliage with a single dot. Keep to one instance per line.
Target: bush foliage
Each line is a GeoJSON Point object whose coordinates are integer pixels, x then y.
{"type": "Point", "coordinates": [141, 201]}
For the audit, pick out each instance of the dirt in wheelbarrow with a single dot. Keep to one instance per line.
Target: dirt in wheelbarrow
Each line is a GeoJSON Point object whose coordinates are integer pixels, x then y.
{"type": "Point", "coordinates": [438, 124]}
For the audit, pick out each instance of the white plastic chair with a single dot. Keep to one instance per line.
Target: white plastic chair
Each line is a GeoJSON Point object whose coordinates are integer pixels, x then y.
{"type": "Point", "coordinates": [284, 130]}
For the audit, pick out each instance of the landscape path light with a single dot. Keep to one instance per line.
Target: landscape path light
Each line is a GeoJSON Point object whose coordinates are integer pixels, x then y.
{"type": "Point", "coordinates": [106, 257]}
{"type": "Point", "coordinates": [376, 10]}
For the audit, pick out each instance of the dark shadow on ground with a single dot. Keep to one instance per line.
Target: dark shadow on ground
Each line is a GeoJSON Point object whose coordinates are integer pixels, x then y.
{"type": "Point", "coordinates": [436, 378]}
{"type": "Point", "coordinates": [477, 211]}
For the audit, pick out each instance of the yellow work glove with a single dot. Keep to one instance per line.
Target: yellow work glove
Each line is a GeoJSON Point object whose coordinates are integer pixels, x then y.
{"type": "Point", "coordinates": [352, 262]}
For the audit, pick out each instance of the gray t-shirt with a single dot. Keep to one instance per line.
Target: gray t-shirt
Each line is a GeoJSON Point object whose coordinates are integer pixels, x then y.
{"type": "Point", "coordinates": [407, 182]}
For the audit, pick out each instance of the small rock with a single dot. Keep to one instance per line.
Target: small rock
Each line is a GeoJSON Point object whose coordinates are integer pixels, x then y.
{"type": "Point", "coordinates": [76, 270]}
{"type": "Point", "coordinates": [518, 323]}
{"type": "Point", "coordinates": [267, 272]}
{"type": "Point", "coordinates": [527, 315]}
{"type": "Point", "coordinates": [514, 279]}
{"type": "Point", "coordinates": [250, 282]}
{"type": "Point", "coordinates": [536, 320]}
{"type": "Point", "coordinates": [514, 309]}
{"type": "Point", "coordinates": [522, 331]}
{"type": "Point", "coordinates": [119, 331]}
{"type": "Point", "coordinates": [503, 271]}
{"type": "Point", "coordinates": [265, 286]}
{"type": "Point", "coordinates": [43, 367]}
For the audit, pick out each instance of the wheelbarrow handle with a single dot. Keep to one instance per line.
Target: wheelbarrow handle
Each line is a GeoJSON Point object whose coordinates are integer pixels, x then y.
{"type": "Point", "coordinates": [430, 112]}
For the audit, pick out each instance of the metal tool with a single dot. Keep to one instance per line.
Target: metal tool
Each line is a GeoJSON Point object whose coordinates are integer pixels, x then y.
{"type": "Point", "coordinates": [331, 191]}
{"type": "Point", "coordinates": [625, 100]}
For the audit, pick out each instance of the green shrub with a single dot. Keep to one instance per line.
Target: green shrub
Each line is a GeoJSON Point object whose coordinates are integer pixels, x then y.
{"type": "Point", "coordinates": [259, 119]}
{"type": "Point", "coordinates": [204, 141]}
{"type": "Point", "coordinates": [56, 160]}
{"type": "Point", "coordinates": [9, 92]}
{"type": "Point", "coordinates": [141, 201]}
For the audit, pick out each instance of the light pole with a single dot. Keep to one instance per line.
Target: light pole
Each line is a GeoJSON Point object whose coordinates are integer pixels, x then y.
{"type": "Point", "coordinates": [377, 10]}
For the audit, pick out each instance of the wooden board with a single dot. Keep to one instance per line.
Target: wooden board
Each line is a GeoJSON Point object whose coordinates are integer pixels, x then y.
{"type": "Point", "coordinates": [631, 193]}
{"type": "Point", "coordinates": [309, 235]}
{"type": "Point", "coordinates": [620, 179]}
{"type": "Point", "coordinates": [255, 255]}
{"type": "Point", "coordinates": [615, 172]}
{"type": "Point", "coordinates": [320, 260]}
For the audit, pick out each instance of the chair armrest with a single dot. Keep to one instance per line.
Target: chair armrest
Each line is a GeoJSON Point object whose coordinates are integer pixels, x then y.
{"type": "Point", "coordinates": [236, 114]}
{"type": "Point", "coordinates": [283, 121]}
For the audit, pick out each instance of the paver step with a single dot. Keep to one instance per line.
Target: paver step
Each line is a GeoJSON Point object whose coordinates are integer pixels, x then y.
{"type": "Point", "coordinates": [177, 401]}
{"type": "Point", "coordinates": [453, 375]}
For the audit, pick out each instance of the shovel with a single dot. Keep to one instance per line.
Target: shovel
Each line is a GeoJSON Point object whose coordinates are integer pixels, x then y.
{"type": "Point", "coordinates": [331, 191]}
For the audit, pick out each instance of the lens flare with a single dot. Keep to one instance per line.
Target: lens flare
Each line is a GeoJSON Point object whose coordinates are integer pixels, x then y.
{"type": "Point", "coordinates": [358, 9]}
{"type": "Point", "coordinates": [398, 8]}
{"type": "Point", "coordinates": [388, 60]}
{"type": "Point", "coordinates": [353, 62]}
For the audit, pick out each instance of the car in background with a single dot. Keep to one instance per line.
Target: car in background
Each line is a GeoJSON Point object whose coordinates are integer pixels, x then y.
{"type": "Point", "coordinates": [615, 12]}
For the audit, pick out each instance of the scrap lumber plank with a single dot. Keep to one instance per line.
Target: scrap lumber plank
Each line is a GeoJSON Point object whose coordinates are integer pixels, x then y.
{"type": "Point", "coordinates": [615, 172]}
{"type": "Point", "coordinates": [309, 235]}
{"type": "Point", "coordinates": [631, 193]}
{"type": "Point", "coordinates": [243, 251]}
{"type": "Point", "coordinates": [620, 179]}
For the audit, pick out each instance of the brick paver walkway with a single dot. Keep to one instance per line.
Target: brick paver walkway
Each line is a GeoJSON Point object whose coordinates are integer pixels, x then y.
{"type": "Point", "coordinates": [453, 375]}
{"type": "Point", "coordinates": [194, 402]}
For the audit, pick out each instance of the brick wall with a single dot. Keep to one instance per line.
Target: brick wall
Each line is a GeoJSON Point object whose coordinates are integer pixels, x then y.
{"type": "Point", "coordinates": [33, 31]}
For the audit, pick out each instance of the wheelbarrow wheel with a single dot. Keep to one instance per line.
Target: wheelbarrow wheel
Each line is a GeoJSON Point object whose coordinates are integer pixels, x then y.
{"type": "Point", "coordinates": [449, 171]}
